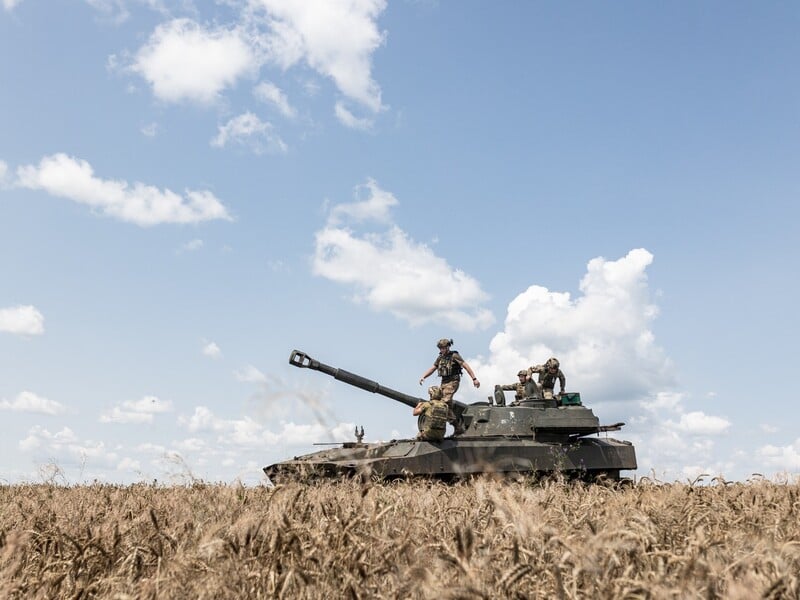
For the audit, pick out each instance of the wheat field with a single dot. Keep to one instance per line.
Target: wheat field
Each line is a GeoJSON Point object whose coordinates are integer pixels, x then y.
{"type": "Point", "coordinates": [420, 539]}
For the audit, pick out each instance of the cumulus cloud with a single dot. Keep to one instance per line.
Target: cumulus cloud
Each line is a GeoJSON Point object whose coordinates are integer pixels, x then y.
{"type": "Point", "coordinates": [144, 205]}
{"type": "Point", "coordinates": [184, 61]}
{"type": "Point", "coordinates": [192, 245]}
{"type": "Point", "coordinates": [391, 272]}
{"type": "Point", "coordinates": [603, 337]}
{"type": "Point", "coordinates": [268, 92]}
{"type": "Point", "coordinates": [348, 119]}
{"type": "Point", "coordinates": [211, 350]}
{"type": "Point", "coordinates": [249, 131]}
{"type": "Point", "coordinates": [187, 61]}
{"type": "Point", "coordinates": [31, 403]}
{"type": "Point", "coordinates": [136, 411]}
{"type": "Point", "coordinates": [114, 10]}
{"type": "Point", "coordinates": [68, 447]}
{"type": "Point", "coordinates": [21, 320]}
{"type": "Point", "coordinates": [9, 5]}
{"type": "Point", "coordinates": [3, 173]}
{"type": "Point", "coordinates": [249, 374]}
{"type": "Point", "coordinates": [311, 31]}
{"type": "Point", "coordinates": [248, 433]}
{"type": "Point", "coordinates": [699, 423]}
{"type": "Point", "coordinates": [782, 457]}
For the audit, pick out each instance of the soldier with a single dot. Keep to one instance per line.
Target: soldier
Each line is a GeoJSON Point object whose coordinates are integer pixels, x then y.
{"type": "Point", "coordinates": [548, 373]}
{"type": "Point", "coordinates": [435, 413]}
{"type": "Point", "coordinates": [449, 365]}
{"type": "Point", "coordinates": [519, 389]}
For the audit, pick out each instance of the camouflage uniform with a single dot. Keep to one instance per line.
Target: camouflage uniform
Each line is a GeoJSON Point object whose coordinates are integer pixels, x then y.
{"type": "Point", "coordinates": [519, 388]}
{"type": "Point", "coordinates": [448, 365]}
{"type": "Point", "coordinates": [547, 380]}
{"type": "Point", "coordinates": [435, 415]}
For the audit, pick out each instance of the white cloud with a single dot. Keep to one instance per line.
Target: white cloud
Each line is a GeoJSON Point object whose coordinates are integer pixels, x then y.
{"type": "Point", "coordinates": [3, 173]}
{"type": "Point", "coordinates": [782, 457]}
{"type": "Point", "coordinates": [115, 10]}
{"type": "Point", "coordinates": [603, 335]}
{"type": "Point", "coordinates": [211, 350]}
{"type": "Point", "coordinates": [250, 131]}
{"type": "Point", "coordinates": [184, 61]}
{"type": "Point", "coordinates": [31, 403]}
{"type": "Point", "coordinates": [39, 437]}
{"type": "Point", "coordinates": [671, 401]}
{"type": "Point", "coordinates": [129, 464]}
{"type": "Point", "coordinates": [67, 447]}
{"type": "Point", "coordinates": [250, 374]}
{"type": "Point", "coordinates": [766, 428]}
{"type": "Point", "coordinates": [9, 5]}
{"type": "Point", "coordinates": [392, 273]}
{"type": "Point", "coordinates": [21, 320]}
{"type": "Point", "coordinates": [312, 31]}
{"type": "Point", "coordinates": [136, 411]}
{"type": "Point", "coordinates": [348, 119]}
{"type": "Point", "coordinates": [608, 352]}
{"type": "Point", "coordinates": [268, 92]}
{"type": "Point", "coordinates": [149, 130]}
{"type": "Point", "coordinates": [699, 423]}
{"type": "Point", "coordinates": [192, 245]}
{"type": "Point", "coordinates": [373, 204]}
{"type": "Point", "coordinates": [248, 433]}
{"type": "Point", "coordinates": [74, 179]}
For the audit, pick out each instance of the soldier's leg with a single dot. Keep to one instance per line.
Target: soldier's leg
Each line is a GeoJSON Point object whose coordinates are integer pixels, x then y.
{"type": "Point", "coordinates": [448, 391]}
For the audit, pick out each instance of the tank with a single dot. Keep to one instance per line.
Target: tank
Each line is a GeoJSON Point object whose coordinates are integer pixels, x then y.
{"type": "Point", "coordinates": [534, 437]}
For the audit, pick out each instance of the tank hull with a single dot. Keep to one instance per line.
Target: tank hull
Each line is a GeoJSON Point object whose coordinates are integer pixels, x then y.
{"type": "Point", "coordinates": [585, 457]}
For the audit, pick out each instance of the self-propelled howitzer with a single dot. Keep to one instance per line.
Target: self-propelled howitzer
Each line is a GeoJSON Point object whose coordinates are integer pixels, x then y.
{"type": "Point", "coordinates": [535, 437]}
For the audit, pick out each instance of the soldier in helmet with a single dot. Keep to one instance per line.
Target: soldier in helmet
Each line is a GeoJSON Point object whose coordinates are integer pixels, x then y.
{"type": "Point", "coordinates": [449, 365]}
{"type": "Point", "coordinates": [519, 389]}
{"type": "Point", "coordinates": [548, 373]}
{"type": "Point", "coordinates": [435, 413]}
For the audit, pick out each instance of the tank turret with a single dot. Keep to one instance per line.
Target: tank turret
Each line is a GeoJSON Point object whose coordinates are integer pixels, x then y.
{"type": "Point", "coordinates": [534, 436]}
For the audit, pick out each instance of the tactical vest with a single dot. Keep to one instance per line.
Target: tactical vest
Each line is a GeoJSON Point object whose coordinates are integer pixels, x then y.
{"type": "Point", "coordinates": [448, 367]}
{"type": "Point", "coordinates": [436, 415]}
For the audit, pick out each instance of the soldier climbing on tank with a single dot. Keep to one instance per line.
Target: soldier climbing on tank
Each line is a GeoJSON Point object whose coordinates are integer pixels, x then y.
{"type": "Point", "coordinates": [520, 390]}
{"type": "Point", "coordinates": [434, 416]}
{"type": "Point", "coordinates": [548, 373]}
{"type": "Point", "coordinates": [449, 365]}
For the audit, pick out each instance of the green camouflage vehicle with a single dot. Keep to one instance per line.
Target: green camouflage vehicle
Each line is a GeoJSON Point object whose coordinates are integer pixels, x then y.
{"type": "Point", "coordinates": [535, 437]}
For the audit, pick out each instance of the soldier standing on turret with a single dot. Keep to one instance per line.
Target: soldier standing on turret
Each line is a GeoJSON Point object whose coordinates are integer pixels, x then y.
{"type": "Point", "coordinates": [449, 365]}
{"type": "Point", "coordinates": [435, 415]}
{"type": "Point", "coordinates": [548, 373]}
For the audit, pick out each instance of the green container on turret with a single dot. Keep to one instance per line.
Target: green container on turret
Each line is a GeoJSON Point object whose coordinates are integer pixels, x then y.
{"type": "Point", "coordinates": [570, 399]}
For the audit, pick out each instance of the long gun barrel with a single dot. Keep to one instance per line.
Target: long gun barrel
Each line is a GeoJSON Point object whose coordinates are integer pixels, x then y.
{"type": "Point", "coordinates": [304, 361]}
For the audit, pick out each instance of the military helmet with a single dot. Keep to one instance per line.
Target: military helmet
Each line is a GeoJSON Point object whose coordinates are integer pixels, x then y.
{"type": "Point", "coordinates": [522, 372]}
{"type": "Point", "coordinates": [435, 392]}
{"type": "Point", "coordinates": [552, 363]}
{"type": "Point", "coordinates": [444, 343]}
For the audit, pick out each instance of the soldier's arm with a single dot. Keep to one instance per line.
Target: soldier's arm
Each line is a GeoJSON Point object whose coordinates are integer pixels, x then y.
{"type": "Point", "coordinates": [469, 370]}
{"type": "Point", "coordinates": [508, 386]}
{"type": "Point", "coordinates": [536, 369]}
{"type": "Point", "coordinates": [562, 380]}
{"type": "Point", "coordinates": [427, 373]}
{"type": "Point", "coordinates": [418, 409]}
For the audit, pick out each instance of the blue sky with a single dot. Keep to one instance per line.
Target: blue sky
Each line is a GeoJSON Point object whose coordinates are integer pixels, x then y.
{"type": "Point", "coordinates": [190, 190]}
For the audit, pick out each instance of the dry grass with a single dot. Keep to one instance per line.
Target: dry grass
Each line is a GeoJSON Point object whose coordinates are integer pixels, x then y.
{"type": "Point", "coordinates": [481, 539]}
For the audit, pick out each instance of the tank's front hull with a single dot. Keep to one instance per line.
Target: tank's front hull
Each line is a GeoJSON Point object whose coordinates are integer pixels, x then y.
{"type": "Point", "coordinates": [587, 456]}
